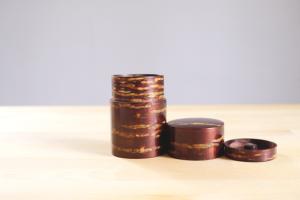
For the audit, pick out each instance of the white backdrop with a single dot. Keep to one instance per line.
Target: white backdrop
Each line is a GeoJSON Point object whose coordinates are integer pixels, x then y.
{"type": "Point", "coordinates": [226, 51]}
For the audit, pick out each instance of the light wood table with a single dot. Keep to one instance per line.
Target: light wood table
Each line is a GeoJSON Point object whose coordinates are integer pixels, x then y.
{"type": "Point", "coordinates": [65, 153]}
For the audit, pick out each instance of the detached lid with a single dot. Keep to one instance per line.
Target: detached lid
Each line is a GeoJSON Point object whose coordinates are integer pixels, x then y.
{"type": "Point", "coordinates": [250, 150]}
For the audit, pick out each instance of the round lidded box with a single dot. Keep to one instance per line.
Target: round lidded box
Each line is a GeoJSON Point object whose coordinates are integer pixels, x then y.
{"type": "Point", "coordinates": [195, 138]}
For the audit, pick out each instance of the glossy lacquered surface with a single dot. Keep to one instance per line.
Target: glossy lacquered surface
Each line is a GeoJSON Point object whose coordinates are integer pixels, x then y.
{"type": "Point", "coordinates": [250, 150]}
{"type": "Point", "coordinates": [138, 115]}
{"type": "Point", "coordinates": [195, 138]}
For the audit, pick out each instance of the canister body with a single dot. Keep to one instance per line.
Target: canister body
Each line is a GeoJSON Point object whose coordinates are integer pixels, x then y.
{"type": "Point", "coordinates": [138, 111]}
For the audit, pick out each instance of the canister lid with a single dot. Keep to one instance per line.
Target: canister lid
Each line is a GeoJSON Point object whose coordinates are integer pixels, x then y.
{"type": "Point", "coordinates": [195, 123]}
{"type": "Point", "coordinates": [250, 150]}
{"type": "Point", "coordinates": [196, 130]}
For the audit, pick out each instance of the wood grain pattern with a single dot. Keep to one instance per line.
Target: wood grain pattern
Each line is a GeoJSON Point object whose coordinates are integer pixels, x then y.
{"type": "Point", "coordinates": [65, 153]}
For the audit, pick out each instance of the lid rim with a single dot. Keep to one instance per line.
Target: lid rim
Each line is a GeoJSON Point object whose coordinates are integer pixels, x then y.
{"type": "Point", "coordinates": [240, 153]}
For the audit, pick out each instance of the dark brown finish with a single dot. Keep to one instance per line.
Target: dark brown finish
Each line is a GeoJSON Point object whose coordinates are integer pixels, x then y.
{"type": "Point", "coordinates": [195, 138]}
{"type": "Point", "coordinates": [250, 150]}
{"type": "Point", "coordinates": [138, 110]}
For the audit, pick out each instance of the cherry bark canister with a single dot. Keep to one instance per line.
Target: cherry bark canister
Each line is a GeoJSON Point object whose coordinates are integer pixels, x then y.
{"type": "Point", "coordinates": [195, 138]}
{"type": "Point", "coordinates": [138, 111]}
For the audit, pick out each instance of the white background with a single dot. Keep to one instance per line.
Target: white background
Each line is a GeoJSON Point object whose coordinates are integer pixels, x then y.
{"type": "Point", "coordinates": [226, 51]}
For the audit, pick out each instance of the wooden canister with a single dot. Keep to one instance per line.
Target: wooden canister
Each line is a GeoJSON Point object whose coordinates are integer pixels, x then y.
{"type": "Point", "coordinates": [195, 138]}
{"type": "Point", "coordinates": [138, 115]}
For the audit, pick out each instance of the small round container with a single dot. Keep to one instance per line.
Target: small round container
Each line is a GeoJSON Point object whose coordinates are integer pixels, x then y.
{"type": "Point", "coordinates": [250, 150]}
{"type": "Point", "coordinates": [195, 138]}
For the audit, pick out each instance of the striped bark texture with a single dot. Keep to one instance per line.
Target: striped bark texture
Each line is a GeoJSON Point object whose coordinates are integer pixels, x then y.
{"type": "Point", "coordinates": [195, 138]}
{"type": "Point", "coordinates": [138, 111]}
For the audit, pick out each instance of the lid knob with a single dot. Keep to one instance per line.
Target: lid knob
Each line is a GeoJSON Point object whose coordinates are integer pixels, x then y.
{"type": "Point", "coordinates": [250, 146]}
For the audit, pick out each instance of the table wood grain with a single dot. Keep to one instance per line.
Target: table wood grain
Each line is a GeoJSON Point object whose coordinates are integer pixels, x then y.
{"type": "Point", "coordinates": [65, 153]}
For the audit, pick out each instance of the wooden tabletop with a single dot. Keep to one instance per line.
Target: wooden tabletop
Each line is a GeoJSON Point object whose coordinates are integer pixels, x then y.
{"type": "Point", "coordinates": [65, 153]}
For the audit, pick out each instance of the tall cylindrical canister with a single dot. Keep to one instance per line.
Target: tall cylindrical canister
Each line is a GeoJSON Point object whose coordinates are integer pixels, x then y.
{"type": "Point", "coordinates": [138, 111]}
